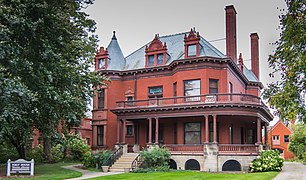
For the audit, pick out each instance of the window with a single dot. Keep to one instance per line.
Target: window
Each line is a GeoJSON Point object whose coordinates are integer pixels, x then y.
{"type": "Point", "coordinates": [160, 59]}
{"type": "Point", "coordinates": [275, 138]}
{"type": "Point", "coordinates": [155, 92]}
{"type": "Point", "coordinates": [213, 86]}
{"type": "Point", "coordinates": [231, 133]}
{"type": "Point", "coordinates": [102, 63]}
{"type": "Point", "coordinates": [192, 88]}
{"type": "Point", "coordinates": [129, 130]}
{"type": "Point", "coordinates": [192, 133]}
{"type": "Point", "coordinates": [286, 138]}
{"type": "Point", "coordinates": [100, 135]}
{"type": "Point", "coordinates": [151, 60]}
{"type": "Point", "coordinates": [174, 91]}
{"type": "Point", "coordinates": [129, 98]}
{"type": "Point", "coordinates": [192, 50]}
{"type": "Point", "coordinates": [101, 98]}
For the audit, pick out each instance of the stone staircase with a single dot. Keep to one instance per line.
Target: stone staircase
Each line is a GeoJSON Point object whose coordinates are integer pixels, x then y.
{"type": "Point", "coordinates": [123, 162]}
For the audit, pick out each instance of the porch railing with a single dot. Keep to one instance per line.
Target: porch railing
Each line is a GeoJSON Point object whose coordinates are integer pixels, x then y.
{"type": "Point", "coordinates": [238, 148]}
{"type": "Point", "coordinates": [187, 100]}
{"type": "Point", "coordinates": [185, 148]}
{"type": "Point", "coordinates": [116, 154]}
{"type": "Point", "coordinates": [137, 162]}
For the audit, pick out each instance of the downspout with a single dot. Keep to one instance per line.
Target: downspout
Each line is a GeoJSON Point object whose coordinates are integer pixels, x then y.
{"type": "Point", "coordinates": [135, 86]}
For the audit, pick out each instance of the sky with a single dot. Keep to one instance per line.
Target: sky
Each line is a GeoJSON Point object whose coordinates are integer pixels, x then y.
{"type": "Point", "coordinates": [137, 21]}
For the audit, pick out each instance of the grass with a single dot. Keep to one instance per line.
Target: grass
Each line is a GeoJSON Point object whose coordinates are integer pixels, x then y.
{"type": "Point", "coordinates": [182, 175]}
{"type": "Point", "coordinates": [51, 172]}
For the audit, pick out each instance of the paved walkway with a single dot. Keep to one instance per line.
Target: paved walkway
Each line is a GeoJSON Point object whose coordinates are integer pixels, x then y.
{"type": "Point", "coordinates": [292, 171]}
{"type": "Point", "coordinates": [88, 174]}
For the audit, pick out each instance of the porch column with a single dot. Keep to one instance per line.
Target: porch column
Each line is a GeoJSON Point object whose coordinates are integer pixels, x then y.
{"type": "Point", "coordinates": [206, 129]}
{"type": "Point", "coordinates": [150, 130]}
{"type": "Point", "coordinates": [118, 131]}
{"type": "Point", "coordinates": [258, 131]}
{"type": "Point", "coordinates": [124, 131]}
{"type": "Point", "coordinates": [156, 130]}
{"type": "Point", "coordinates": [215, 128]}
{"type": "Point", "coordinates": [266, 134]}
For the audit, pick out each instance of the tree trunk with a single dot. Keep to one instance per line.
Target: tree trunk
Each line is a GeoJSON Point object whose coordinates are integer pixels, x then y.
{"type": "Point", "coordinates": [21, 151]}
{"type": "Point", "coordinates": [47, 149]}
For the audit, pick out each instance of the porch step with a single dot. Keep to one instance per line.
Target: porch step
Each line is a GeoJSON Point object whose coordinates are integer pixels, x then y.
{"type": "Point", "coordinates": [125, 161]}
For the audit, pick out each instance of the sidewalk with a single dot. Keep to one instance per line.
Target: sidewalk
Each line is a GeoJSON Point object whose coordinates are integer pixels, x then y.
{"type": "Point", "coordinates": [88, 174]}
{"type": "Point", "coordinates": [292, 171]}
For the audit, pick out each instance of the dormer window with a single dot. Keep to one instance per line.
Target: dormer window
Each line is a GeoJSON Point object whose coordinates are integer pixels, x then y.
{"type": "Point", "coordinates": [156, 53]}
{"type": "Point", "coordinates": [102, 63]}
{"type": "Point", "coordinates": [192, 50]}
{"type": "Point", "coordinates": [192, 44]}
{"type": "Point", "coordinates": [160, 59]}
{"type": "Point", "coordinates": [151, 60]}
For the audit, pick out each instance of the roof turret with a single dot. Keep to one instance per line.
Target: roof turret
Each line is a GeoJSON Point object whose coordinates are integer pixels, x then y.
{"type": "Point", "coordinates": [116, 59]}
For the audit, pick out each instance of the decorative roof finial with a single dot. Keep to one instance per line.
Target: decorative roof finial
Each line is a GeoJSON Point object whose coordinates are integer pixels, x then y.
{"type": "Point", "coordinates": [114, 35]}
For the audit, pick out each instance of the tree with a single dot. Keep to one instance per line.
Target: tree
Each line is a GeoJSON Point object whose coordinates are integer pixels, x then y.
{"type": "Point", "coordinates": [48, 46]}
{"type": "Point", "coordinates": [287, 95]}
{"type": "Point", "coordinates": [297, 143]}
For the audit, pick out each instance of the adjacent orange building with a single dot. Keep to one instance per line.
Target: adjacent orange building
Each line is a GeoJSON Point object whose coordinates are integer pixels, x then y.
{"type": "Point", "coordinates": [278, 139]}
{"type": "Point", "coordinates": [181, 92]}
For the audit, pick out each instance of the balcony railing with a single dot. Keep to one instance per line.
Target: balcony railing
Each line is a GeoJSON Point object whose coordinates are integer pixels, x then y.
{"type": "Point", "coordinates": [189, 100]}
{"type": "Point", "coordinates": [185, 148]}
{"type": "Point", "coordinates": [238, 149]}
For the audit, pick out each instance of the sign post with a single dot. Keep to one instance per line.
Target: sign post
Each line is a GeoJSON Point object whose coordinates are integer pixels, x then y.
{"type": "Point", "coordinates": [20, 166]}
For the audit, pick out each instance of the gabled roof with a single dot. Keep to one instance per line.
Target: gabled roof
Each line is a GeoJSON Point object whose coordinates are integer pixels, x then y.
{"type": "Point", "coordinates": [175, 46]}
{"type": "Point", "coordinates": [280, 123]}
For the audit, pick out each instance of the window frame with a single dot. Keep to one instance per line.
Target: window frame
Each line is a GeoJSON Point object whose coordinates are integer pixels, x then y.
{"type": "Point", "coordinates": [104, 65]}
{"type": "Point", "coordinates": [149, 58]}
{"type": "Point", "coordinates": [195, 99]}
{"type": "Point", "coordinates": [157, 60]}
{"type": "Point", "coordinates": [101, 98]}
{"type": "Point", "coordinates": [286, 138]}
{"type": "Point", "coordinates": [158, 95]}
{"type": "Point", "coordinates": [195, 50]}
{"type": "Point", "coordinates": [212, 88]}
{"type": "Point", "coordinates": [100, 135]}
{"type": "Point", "coordinates": [199, 131]}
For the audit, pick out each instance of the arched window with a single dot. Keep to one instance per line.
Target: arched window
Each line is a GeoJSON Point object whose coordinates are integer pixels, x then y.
{"type": "Point", "coordinates": [231, 165]}
{"type": "Point", "coordinates": [192, 164]}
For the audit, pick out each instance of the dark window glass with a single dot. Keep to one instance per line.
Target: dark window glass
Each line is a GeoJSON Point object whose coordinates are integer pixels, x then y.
{"type": "Point", "coordinates": [192, 50]}
{"type": "Point", "coordinates": [231, 133]}
{"type": "Point", "coordinates": [160, 59]}
{"type": "Point", "coordinates": [100, 135]}
{"type": "Point", "coordinates": [213, 86]}
{"type": "Point", "coordinates": [102, 63]}
{"type": "Point", "coordinates": [192, 88]}
{"type": "Point", "coordinates": [151, 60]}
{"type": "Point", "coordinates": [129, 130]}
{"type": "Point", "coordinates": [286, 138]}
{"type": "Point", "coordinates": [101, 98]}
{"type": "Point", "coordinates": [155, 92]}
{"type": "Point", "coordinates": [193, 133]}
{"type": "Point", "coordinates": [129, 98]}
{"type": "Point", "coordinates": [211, 132]}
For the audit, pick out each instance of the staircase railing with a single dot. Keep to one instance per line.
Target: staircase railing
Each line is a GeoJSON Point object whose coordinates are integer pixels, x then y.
{"type": "Point", "coordinates": [137, 162]}
{"type": "Point", "coordinates": [116, 154]}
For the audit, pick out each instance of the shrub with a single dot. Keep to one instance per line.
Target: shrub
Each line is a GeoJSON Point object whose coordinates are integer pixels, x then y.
{"type": "Point", "coordinates": [96, 160]}
{"type": "Point", "coordinates": [7, 151]}
{"type": "Point", "coordinates": [37, 154]}
{"type": "Point", "coordinates": [89, 160]}
{"type": "Point", "coordinates": [57, 153]}
{"type": "Point", "coordinates": [101, 158]}
{"type": "Point", "coordinates": [76, 147]}
{"type": "Point", "coordinates": [155, 157]}
{"type": "Point", "coordinates": [269, 160]}
{"type": "Point", "coordinates": [297, 143]}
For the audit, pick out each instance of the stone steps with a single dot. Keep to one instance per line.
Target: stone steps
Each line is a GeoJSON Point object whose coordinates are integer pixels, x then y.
{"type": "Point", "coordinates": [125, 161]}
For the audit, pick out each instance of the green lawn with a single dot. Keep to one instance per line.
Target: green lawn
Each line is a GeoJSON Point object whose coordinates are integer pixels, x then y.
{"type": "Point", "coordinates": [192, 175]}
{"type": "Point", "coordinates": [52, 171]}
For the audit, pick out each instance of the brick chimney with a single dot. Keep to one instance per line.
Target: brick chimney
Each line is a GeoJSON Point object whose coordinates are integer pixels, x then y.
{"type": "Point", "coordinates": [231, 38]}
{"type": "Point", "coordinates": [240, 62]}
{"type": "Point", "coordinates": [255, 54]}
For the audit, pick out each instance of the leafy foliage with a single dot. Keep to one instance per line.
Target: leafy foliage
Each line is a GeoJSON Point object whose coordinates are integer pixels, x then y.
{"type": "Point", "coordinates": [269, 160]}
{"type": "Point", "coordinates": [155, 157]}
{"type": "Point", "coordinates": [37, 154]}
{"type": "Point", "coordinates": [7, 151]}
{"type": "Point", "coordinates": [57, 153]}
{"type": "Point", "coordinates": [96, 160]}
{"type": "Point", "coordinates": [46, 55]}
{"type": "Point", "coordinates": [76, 147]}
{"type": "Point", "coordinates": [287, 95]}
{"type": "Point", "coordinates": [297, 143]}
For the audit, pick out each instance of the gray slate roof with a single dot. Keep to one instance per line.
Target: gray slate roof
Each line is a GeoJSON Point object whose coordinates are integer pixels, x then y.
{"type": "Point", "coordinates": [116, 59]}
{"type": "Point", "coordinates": [175, 50]}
